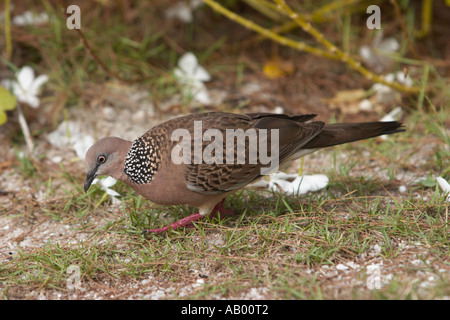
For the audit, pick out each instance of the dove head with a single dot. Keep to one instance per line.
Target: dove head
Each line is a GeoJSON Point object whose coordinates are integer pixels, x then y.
{"type": "Point", "coordinates": [106, 157]}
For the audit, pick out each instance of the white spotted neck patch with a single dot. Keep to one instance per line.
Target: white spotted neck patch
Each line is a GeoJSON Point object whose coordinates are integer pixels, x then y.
{"type": "Point", "coordinates": [143, 160]}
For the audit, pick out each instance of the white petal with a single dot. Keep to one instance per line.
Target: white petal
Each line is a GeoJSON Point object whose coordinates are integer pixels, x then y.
{"type": "Point", "coordinates": [407, 81]}
{"type": "Point", "coordinates": [28, 18]}
{"type": "Point", "coordinates": [112, 193]}
{"type": "Point", "coordinates": [366, 54]}
{"type": "Point", "coordinates": [389, 45]}
{"type": "Point", "coordinates": [23, 19]}
{"type": "Point", "coordinates": [43, 17]}
{"type": "Point", "coordinates": [445, 186]}
{"type": "Point", "coordinates": [201, 74]}
{"type": "Point", "coordinates": [179, 74]}
{"type": "Point", "coordinates": [115, 202]}
{"type": "Point", "coordinates": [64, 134]}
{"type": "Point", "coordinates": [307, 183]}
{"type": "Point", "coordinates": [37, 83]}
{"type": "Point", "coordinates": [365, 105]}
{"type": "Point", "coordinates": [100, 183]}
{"type": "Point", "coordinates": [24, 89]}
{"type": "Point", "coordinates": [31, 100]}
{"type": "Point", "coordinates": [191, 76]}
{"type": "Point", "coordinates": [187, 63]}
{"type": "Point", "coordinates": [284, 185]}
{"type": "Point", "coordinates": [181, 12]}
{"type": "Point", "coordinates": [105, 183]}
{"type": "Point", "coordinates": [82, 144]}
{"type": "Point", "coordinates": [389, 77]}
{"type": "Point", "coordinates": [278, 110]}
{"type": "Point", "coordinates": [202, 95]}
{"type": "Point", "coordinates": [108, 182]}
{"type": "Point", "coordinates": [25, 77]}
{"type": "Point", "coordinates": [381, 88]}
{"type": "Point", "coordinates": [195, 3]}
{"type": "Point", "coordinates": [197, 90]}
{"type": "Point", "coordinates": [394, 115]}
{"type": "Point", "coordinates": [283, 175]}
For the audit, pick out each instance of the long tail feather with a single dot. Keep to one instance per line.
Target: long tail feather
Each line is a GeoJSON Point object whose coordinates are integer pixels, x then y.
{"type": "Point", "coordinates": [334, 134]}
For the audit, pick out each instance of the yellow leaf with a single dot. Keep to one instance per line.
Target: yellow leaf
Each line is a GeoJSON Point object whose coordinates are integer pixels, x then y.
{"type": "Point", "coordinates": [2, 117]}
{"type": "Point", "coordinates": [277, 68]}
{"type": "Point", "coordinates": [7, 102]}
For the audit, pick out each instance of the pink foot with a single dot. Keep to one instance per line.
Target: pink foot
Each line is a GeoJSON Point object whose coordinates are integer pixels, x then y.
{"type": "Point", "coordinates": [185, 222]}
{"type": "Point", "coordinates": [218, 211]}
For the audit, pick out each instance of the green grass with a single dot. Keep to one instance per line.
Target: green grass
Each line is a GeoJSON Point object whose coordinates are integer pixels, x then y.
{"type": "Point", "coordinates": [271, 242]}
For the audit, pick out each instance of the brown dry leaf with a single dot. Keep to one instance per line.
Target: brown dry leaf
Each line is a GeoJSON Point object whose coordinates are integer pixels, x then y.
{"type": "Point", "coordinates": [5, 165]}
{"type": "Point", "coordinates": [347, 101]}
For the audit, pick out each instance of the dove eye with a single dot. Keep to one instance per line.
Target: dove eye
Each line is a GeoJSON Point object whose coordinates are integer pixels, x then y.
{"type": "Point", "coordinates": [101, 159]}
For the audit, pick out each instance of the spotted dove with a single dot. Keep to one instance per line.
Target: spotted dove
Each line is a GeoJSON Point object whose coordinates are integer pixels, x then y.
{"type": "Point", "coordinates": [152, 167]}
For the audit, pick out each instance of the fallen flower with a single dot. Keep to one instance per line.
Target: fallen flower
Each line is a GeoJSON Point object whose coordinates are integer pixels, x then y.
{"type": "Point", "coordinates": [68, 134]}
{"type": "Point", "coordinates": [82, 145]}
{"type": "Point", "coordinates": [191, 76]}
{"type": "Point", "coordinates": [305, 183]}
{"type": "Point", "coordinates": [299, 185]}
{"type": "Point", "coordinates": [30, 18]}
{"type": "Point", "coordinates": [377, 54]}
{"type": "Point", "coordinates": [26, 87]}
{"type": "Point", "coordinates": [386, 94]}
{"type": "Point", "coordinates": [183, 10]}
{"type": "Point", "coordinates": [105, 184]}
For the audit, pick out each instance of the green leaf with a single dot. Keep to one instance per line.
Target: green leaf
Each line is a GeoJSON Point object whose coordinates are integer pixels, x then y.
{"type": "Point", "coordinates": [428, 182]}
{"type": "Point", "coordinates": [7, 102]}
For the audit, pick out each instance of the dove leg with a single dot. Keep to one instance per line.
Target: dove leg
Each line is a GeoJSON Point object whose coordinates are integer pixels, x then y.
{"type": "Point", "coordinates": [220, 212]}
{"type": "Point", "coordinates": [217, 211]}
{"type": "Point", "coordinates": [185, 222]}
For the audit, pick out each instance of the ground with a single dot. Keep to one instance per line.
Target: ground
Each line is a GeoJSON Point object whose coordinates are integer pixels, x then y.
{"type": "Point", "coordinates": [379, 230]}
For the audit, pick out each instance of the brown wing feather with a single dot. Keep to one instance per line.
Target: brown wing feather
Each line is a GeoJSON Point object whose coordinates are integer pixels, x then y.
{"type": "Point", "coordinates": [220, 178]}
